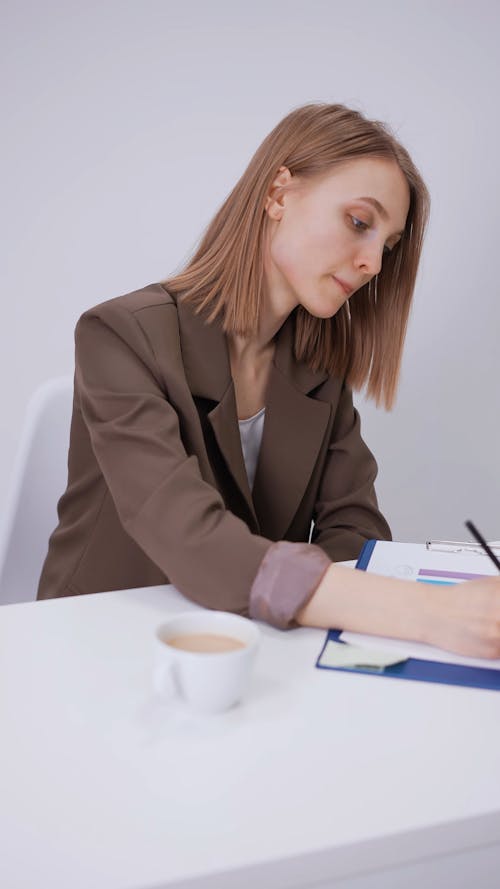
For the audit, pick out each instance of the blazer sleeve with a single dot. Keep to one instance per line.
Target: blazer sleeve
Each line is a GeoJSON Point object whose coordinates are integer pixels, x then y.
{"type": "Point", "coordinates": [346, 512]}
{"type": "Point", "coordinates": [177, 518]}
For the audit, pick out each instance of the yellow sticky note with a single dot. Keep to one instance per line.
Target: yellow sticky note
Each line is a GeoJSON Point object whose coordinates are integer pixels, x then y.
{"type": "Point", "coordinates": [341, 654]}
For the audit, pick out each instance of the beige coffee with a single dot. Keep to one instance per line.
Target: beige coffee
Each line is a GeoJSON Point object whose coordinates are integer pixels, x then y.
{"type": "Point", "coordinates": [205, 642]}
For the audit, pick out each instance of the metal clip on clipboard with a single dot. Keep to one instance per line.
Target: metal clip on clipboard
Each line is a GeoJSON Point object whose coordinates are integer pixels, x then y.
{"type": "Point", "coordinates": [458, 546]}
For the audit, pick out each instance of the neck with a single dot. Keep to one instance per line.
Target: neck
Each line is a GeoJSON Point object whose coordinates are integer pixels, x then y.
{"type": "Point", "coordinates": [277, 305]}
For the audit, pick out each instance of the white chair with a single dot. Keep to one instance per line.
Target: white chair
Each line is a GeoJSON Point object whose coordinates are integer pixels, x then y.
{"type": "Point", "coordinates": [38, 480]}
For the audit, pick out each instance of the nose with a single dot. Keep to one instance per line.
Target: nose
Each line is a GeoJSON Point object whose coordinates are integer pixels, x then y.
{"type": "Point", "coordinates": [369, 258]}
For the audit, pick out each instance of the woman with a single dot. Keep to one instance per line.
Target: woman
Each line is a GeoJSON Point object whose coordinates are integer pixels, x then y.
{"type": "Point", "coordinates": [213, 418]}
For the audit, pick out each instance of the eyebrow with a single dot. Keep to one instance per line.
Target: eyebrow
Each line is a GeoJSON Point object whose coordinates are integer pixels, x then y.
{"type": "Point", "coordinates": [380, 209]}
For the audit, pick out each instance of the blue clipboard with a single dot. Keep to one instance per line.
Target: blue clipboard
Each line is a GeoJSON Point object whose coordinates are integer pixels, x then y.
{"type": "Point", "coordinates": [422, 671]}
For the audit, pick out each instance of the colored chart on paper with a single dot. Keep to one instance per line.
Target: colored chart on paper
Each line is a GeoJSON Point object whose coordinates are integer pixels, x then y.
{"type": "Point", "coordinates": [445, 578]}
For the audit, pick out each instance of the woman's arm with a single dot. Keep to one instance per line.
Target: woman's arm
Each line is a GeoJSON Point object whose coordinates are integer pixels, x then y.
{"type": "Point", "coordinates": [464, 618]}
{"type": "Point", "coordinates": [176, 517]}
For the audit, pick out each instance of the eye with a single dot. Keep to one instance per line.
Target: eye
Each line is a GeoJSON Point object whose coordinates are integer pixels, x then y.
{"type": "Point", "coordinates": [358, 224]}
{"type": "Point", "coordinates": [361, 226]}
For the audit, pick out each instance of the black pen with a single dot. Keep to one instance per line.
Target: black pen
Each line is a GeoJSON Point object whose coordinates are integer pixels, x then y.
{"type": "Point", "coordinates": [482, 542]}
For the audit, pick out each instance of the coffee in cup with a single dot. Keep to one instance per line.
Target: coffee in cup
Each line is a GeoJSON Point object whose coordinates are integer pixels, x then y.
{"type": "Point", "coordinates": [205, 642]}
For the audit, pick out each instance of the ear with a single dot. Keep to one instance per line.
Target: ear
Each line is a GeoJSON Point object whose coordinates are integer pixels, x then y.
{"type": "Point", "coordinates": [274, 204]}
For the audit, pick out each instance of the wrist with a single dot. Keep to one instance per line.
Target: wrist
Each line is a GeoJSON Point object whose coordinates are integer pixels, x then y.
{"type": "Point", "coordinates": [433, 611]}
{"type": "Point", "coordinates": [347, 599]}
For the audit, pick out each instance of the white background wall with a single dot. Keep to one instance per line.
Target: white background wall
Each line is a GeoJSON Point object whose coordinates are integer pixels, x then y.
{"type": "Point", "coordinates": [125, 124]}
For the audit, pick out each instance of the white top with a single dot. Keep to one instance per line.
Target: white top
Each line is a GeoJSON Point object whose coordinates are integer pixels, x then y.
{"type": "Point", "coordinates": [317, 778]}
{"type": "Point", "coordinates": [251, 437]}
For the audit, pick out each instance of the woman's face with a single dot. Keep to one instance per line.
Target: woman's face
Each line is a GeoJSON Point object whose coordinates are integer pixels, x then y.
{"type": "Point", "coordinates": [327, 236]}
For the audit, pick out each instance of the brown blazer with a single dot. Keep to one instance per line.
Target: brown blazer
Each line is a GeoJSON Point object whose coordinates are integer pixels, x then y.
{"type": "Point", "coordinates": [157, 487]}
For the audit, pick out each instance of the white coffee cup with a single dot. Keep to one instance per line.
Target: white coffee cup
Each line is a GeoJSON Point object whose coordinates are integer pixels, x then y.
{"type": "Point", "coordinates": [208, 681]}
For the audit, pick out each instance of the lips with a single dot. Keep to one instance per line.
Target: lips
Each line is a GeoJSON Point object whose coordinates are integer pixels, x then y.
{"type": "Point", "coordinates": [345, 287]}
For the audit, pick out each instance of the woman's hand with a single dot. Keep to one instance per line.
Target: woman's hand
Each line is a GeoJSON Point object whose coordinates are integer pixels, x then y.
{"type": "Point", "coordinates": [465, 618]}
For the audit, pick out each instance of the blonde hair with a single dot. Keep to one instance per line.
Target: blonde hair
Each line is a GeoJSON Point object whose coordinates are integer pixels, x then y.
{"type": "Point", "coordinates": [363, 341]}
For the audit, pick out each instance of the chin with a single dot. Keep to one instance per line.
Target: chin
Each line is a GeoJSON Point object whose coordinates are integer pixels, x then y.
{"type": "Point", "coordinates": [324, 308]}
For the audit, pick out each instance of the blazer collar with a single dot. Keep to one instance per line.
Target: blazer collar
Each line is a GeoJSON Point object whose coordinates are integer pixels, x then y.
{"type": "Point", "coordinates": [205, 354]}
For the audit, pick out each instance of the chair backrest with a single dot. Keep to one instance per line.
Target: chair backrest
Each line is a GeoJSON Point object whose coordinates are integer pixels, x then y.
{"type": "Point", "coordinates": [38, 480]}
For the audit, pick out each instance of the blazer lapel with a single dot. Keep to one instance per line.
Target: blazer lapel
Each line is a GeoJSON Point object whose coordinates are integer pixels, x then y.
{"type": "Point", "coordinates": [224, 421]}
{"type": "Point", "coordinates": [294, 430]}
{"type": "Point", "coordinates": [208, 372]}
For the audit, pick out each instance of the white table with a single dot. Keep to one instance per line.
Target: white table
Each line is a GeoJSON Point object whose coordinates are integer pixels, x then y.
{"type": "Point", "coordinates": [319, 779]}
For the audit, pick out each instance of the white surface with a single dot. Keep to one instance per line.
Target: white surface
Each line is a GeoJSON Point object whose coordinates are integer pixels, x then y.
{"type": "Point", "coordinates": [127, 123]}
{"type": "Point", "coordinates": [38, 479]}
{"type": "Point", "coordinates": [320, 776]}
